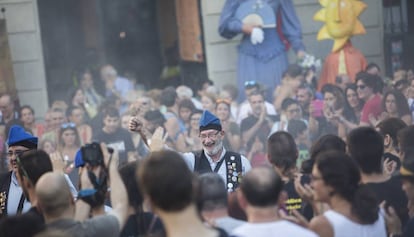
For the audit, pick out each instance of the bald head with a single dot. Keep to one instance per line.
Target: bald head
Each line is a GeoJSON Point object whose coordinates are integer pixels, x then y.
{"type": "Point", "coordinates": [261, 187]}
{"type": "Point", "coordinates": [53, 193]}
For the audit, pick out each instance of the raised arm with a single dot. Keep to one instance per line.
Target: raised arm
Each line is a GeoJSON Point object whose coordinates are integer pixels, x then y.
{"type": "Point", "coordinates": [119, 197]}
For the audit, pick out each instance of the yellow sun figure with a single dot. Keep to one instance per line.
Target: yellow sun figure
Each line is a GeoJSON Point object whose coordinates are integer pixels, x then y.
{"type": "Point", "coordinates": [341, 21]}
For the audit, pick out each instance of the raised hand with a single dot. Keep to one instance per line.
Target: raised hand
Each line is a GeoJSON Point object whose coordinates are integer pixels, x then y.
{"type": "Point", "coordinates": [392, 220]}
{"type": "Point", "coordinates": [110, 157]}
{"type": "Point", "coordinates": [135, 124]}
{"type": "Point", "coordinates": [158, 139]}
{"type": "Point", "coordinates": [58, 163]}
{"type": "Point", "coordinates": [304, 191]}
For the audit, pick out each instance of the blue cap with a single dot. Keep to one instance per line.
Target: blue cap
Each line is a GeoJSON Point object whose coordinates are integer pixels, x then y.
{"type": "Point", "coordinates": [78, 159]}
{"type": "Point", "coordinates": [19, 137]}
{"type": "Point", "coordinates": [209, 121]}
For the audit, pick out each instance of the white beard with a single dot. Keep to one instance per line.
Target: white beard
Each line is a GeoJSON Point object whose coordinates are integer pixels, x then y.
{"type": "Point", "coordinates": [216, 149]}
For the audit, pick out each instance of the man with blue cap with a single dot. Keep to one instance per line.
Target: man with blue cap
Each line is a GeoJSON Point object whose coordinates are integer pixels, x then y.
{"type": "Point", "coordinates": [12, 199]}
{"type": "Point", "coordinates": [231, 166]}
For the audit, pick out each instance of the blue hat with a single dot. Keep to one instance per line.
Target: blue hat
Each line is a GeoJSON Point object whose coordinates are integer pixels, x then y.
{"type": "Point", "coordinates": [19, 137]}
{"type": "Point", "coordinates": [209, 121]}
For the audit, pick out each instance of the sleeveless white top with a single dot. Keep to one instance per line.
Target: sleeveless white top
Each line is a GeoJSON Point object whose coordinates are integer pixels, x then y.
{"type": "Point", "coordinates": [344, 227]}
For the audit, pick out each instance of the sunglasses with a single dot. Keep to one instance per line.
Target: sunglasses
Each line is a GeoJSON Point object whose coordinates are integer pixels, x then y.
{"type": "Point", "coordinates": [68, 125]}
{"type": "Point", "coordinates": [16, 153]}
{"type": "Point", "coordinates": [361, 87]}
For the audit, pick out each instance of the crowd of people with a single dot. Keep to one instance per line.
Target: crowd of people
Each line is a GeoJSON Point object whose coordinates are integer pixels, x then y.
{"type": "Point", "coordinates": [330, 163]}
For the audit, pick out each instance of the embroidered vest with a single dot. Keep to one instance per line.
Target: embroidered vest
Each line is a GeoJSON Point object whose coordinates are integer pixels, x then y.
{"type": "Point", "coordinates": [4, 191]}
{"type": "Point", "coordinates": [231, 160]}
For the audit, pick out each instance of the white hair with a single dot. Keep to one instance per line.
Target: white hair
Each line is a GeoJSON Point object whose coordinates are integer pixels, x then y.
{"type": "Point", "coordinates": [184, 92]}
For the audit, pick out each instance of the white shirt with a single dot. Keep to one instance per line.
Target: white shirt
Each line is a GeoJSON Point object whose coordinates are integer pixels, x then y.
{"type": "Point", "coordinates": [13, 198]}
{"type": "Point", "coordinates": [228, 223]}
{"type": "Point", "coordinates": [277, 126]}
{"type": "Point", "coordinates": [245, 110]}
{"type": "Point", "coordinates": [15, 193]}
{"type": "Point", "coordinates": [189, 158]}
{"type": "Point", "coordinates": [280, 228]}
{"type": "Point", "coordinates": [344, 227]}
{"type": "Point", "coordinates": [411, 106]}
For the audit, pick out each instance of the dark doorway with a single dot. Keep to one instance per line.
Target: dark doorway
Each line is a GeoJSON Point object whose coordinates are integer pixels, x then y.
{"type": "Point", "coordinates": [62, 41]}
{"type": "Point", "coordinates": [129, 34]}
{"type": "Point", "coordinates": [131, 39]}
{"type": "Point", "coordinates": [89, 33]}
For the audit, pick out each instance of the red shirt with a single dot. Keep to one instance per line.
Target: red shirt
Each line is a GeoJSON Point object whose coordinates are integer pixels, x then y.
{"type": "Point", "coordinates": [372, 106]}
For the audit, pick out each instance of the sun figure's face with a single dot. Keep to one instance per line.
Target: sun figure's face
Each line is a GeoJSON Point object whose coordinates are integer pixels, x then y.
{"type": "Point", "coordinates": [341, 20]}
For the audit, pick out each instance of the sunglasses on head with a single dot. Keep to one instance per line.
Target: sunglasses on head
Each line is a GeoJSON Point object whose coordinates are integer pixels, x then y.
{"type": "Point", "coordinates": [250, 83]}
{"type": "Point", "coordinates": [68, 125]}
{"type": "Point", "coordinates": [225, 101]}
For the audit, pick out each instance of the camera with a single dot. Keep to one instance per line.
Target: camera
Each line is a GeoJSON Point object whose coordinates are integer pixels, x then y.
{"type": "Point", "coordinates": [92, 154]}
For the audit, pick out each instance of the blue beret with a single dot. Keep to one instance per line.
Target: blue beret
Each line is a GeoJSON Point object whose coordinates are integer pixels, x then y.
{"type": "Point", "coordinates": [209, 121]}
{"type": "Point", "coordinates": [19, 137]}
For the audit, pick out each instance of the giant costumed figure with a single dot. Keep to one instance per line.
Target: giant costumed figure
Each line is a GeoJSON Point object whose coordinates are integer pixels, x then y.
{"type": "Point", "coordinates": [341, 23]}
{"type": "Point", "coordinates": [262, 50]}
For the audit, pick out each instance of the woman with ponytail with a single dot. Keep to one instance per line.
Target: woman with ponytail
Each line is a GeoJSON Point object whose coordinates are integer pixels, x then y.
{"type": "Point", "coordinates": [354, 210]}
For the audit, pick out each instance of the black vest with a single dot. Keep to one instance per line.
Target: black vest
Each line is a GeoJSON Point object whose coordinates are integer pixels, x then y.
{"type": "Point", "coordinates": [231, 160]}
{"type": "Point", "coordinates": [5, 181]}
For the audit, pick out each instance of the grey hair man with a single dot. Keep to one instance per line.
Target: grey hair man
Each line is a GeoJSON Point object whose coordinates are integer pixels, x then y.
{"type": "Point", "coordinates": [212, 202]}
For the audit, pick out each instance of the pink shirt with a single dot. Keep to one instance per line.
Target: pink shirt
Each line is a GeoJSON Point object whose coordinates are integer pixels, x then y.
{"type": "Point", "coordinates": [372, 106]}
